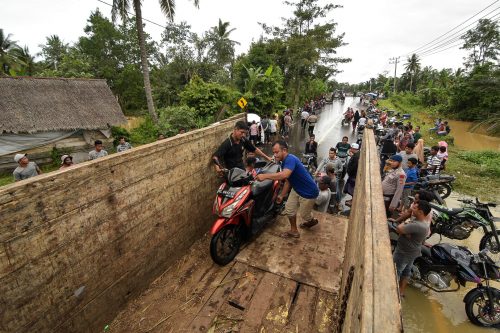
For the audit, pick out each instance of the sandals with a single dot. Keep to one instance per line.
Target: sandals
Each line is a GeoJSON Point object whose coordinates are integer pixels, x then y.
{"type": "Point", "coordinates": [289, 234]}
{"type": "Point", "coordinates": [309, 224]}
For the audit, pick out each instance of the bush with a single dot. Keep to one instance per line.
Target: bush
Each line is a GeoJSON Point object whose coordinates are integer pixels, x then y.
{"type": "Point", "coordinates": [488, 160]}
{"type": "Point", "coordinates": [117, 132]}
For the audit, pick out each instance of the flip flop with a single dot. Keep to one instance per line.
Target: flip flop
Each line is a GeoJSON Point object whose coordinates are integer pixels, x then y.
{"type": "Point", "coordinates": [309, 224]}
{"type": "Point", "coordinates": [289, 234]}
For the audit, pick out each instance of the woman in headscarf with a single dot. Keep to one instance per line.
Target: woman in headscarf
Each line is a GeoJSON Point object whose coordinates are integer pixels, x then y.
{"type": "Point", "coordinates": [419, 150]}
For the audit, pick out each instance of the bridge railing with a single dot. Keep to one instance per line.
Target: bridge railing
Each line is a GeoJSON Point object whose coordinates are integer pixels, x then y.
{"type": "Point", "coordinates": [369, 300]}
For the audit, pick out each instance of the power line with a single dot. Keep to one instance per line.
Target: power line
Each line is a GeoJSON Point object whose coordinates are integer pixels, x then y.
{"type": "Point", "coordinates": [454, 36]}
{"type": "Point", "coordinates": [448, 42]}
{"type": "Point", "coordinates": [144, 19]}
{"type": "Point", "coordinates": [452, 28]}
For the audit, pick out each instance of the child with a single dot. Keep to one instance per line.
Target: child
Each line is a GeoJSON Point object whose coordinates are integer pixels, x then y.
{"type": "Point", "coordinates": [250, 166]}
{"type": "Point", "coordinates": [411, 180]}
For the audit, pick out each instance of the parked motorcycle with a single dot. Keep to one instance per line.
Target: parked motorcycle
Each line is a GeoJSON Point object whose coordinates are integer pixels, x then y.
{"type": "Point", "coordinates": [441, 264]}
{"type": "Point", "coordinates": [243, 207]}
{"type": "Point", "coordinates": [308, 162]}
{"type": "Point", "coordinates": [440, 185]}
{"type": "Point", "coordinates": [458, 223]}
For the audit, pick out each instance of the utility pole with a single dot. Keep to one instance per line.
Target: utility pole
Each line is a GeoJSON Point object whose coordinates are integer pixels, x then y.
{"type": "Point", "coordinates": [395, 62]}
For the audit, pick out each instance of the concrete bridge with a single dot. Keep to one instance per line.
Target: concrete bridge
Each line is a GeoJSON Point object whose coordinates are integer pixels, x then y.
{"type": "Point", "coordinates": [121, 241]}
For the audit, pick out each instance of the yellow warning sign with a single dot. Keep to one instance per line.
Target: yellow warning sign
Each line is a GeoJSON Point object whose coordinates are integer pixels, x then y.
{"type": "Point", "coordinates": [242, 103]}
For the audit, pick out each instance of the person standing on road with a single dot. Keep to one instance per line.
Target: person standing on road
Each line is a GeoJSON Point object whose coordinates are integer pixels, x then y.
{"type": "Point", "coordinates": [231, 150]}
{"type": "Point", "coordinates": [303, 189]}
{"type": "Point", "coordinates": [355, 120]}
{"type": "Point", "coordinates": [352, 170]}
{"type": "Point", "coordinates": [411, 237]}
{"type": "Point", "coordinates": [303, 118]}
{"type": "Point", "coordinates": [311, 120]}
{"type": "Point", "coordinates": [273, 126]}
{"type": "Point", "coordinates": [25, 168]}
{"type": "Point", "coordinates": [393, 185]}
{"type": "Point", "coordinates": [407, 154]}
{"type": "Point", "coordinates": [266, 129]}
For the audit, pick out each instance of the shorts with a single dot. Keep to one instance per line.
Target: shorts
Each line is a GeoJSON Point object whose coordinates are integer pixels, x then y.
{"type": "Point", "coordinates": [296, 202]}
{"type": "Point", "coordinates": [403, 263]}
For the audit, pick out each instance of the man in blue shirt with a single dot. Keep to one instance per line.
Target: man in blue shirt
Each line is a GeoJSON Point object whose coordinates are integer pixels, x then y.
{"type": "Point", "coordinates": [411, 179]}
{"type": "Point", "coordinates": [304, 189]}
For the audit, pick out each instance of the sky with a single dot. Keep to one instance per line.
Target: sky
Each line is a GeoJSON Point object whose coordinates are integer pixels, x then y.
{"type": "Point", "coordinates": [374, 30]}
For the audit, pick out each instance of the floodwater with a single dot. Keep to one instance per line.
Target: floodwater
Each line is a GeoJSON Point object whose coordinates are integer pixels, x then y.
{"type": "Point", "coordinates": [423, 311]}
{"type": "Point", "coordinates": [472, 141]}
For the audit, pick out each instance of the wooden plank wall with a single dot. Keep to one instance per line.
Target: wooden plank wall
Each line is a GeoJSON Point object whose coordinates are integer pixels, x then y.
{"type": "Point", "coordinates": [76, 245]}
{"type": "Point", "coordinates": [369, 294]}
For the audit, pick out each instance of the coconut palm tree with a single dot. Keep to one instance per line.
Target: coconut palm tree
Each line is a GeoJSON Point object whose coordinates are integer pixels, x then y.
{"type": "Point", "coordinates": [8, 59]}
{"type": "Point", "coordinates": [412, 66]}
{"type": "Point", "coordinates": [53, 51]}
{"type": "Point", "coordinates": [121, 7]}
{"type": "Point", "coordinates": [28, 60]}
{"type": "Point", "coordinates": [223, 47]}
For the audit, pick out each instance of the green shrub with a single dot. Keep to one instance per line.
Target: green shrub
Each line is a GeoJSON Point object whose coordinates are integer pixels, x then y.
{"type": "Point", "coordinates": [117, 132]}
{"type": "Point", "coordinates": [488, 160]}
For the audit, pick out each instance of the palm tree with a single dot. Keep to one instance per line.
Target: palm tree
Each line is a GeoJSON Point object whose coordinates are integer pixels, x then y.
{"type": "Point", "coordinates": [28, 61]}
{"type": "Point", "coordinates": [121, 7]}
{"type": "Point", "coordinates": [412, 66]}
{"type": "Point", "coordinates": [54, 50]}
{"type": "Point", "coordinates": [223, 46]}
{"type": "Point", "coordinates": [8, 59]}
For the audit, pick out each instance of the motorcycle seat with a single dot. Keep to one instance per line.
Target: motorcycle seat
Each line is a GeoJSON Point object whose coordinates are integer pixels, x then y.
{"type": "Point", "coordinates": [449, 211]}
{"type": "Point", "coordinates": [260, 187]}
{"type": "Point", "coordinates": [426, 251]}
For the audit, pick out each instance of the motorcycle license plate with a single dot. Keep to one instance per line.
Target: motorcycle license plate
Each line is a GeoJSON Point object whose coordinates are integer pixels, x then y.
{"type": "Point", "coordinates": [226, 193]}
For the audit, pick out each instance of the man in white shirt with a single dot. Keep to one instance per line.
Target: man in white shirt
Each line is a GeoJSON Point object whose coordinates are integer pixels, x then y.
{"type": "Point", "coordinates": [303, 118]}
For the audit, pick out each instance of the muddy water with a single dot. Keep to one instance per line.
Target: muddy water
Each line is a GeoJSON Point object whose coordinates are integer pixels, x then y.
{"type": "Point", "coordinates": [472, 141]}
{"type": "Point", "coordinates": [423, 312]}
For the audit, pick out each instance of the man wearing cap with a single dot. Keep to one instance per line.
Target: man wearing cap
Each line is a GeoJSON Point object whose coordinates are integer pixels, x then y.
{"type": "Point", "coordinates": [25, 169]}
{"type": "Point", "coordinates": [323, 200]}
{"type": "Point", "coordinates": [393, 184]}
{"type": "Point", "coordinates": [303, 189]}
{"type": "Point", "coordinates": [66, 161]}
{"type": "Point", "coordinates": [231, 150]}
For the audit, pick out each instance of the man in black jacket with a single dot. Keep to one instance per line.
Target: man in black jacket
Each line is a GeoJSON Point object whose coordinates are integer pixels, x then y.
{"type": "Point", "coordinates": [352, 170]}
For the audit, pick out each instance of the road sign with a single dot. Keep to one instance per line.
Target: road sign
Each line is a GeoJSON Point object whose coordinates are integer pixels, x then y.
{"type": "Point", "coordinates": [242, 103]}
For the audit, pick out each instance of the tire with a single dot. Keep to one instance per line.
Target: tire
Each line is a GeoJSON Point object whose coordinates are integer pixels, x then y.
{"type": "Point", "coordinates": [474, 306]}
{"type": "Point", "coordinates": [225, 244]}
{"type": "Point", "coordinates": [489, 241]}
{"type": "Point", "coordinates": [444, 190]}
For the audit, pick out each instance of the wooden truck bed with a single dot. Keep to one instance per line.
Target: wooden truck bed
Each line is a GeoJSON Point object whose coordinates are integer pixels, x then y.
{"type": "Point", "coordinates": [274, 285]}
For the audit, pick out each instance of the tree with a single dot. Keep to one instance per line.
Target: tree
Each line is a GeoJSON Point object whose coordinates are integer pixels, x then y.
{"type": "Point", "coordinates": [222, 47]}
{"type": "Point", "coordinates": [53, 51]}
{"type": "Point", "coordinates": [484, 43]}
{"type": "Point", "coordinates": [26, 59]}
{"type": "Point", "coordinates": [412, 66]}
{"type": "Point", "coordinates": [8, 59]}
{"type": "Point", "coordinates": [120, 7]}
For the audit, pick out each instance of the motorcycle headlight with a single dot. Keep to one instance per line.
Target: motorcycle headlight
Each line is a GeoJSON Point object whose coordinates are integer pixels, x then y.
{"type": "Point", "coordinates": [226, 212]}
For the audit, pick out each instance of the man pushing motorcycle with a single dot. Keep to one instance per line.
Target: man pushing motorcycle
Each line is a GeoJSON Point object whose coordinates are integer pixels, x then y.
{"type": "Point", "coordinates": [231, 149]}
{"type": "Point", "coordinates": [303, 193]}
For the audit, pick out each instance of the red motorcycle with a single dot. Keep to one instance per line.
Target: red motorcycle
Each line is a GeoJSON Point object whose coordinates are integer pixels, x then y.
{"type": "Point", "coordinates": [243, 207]}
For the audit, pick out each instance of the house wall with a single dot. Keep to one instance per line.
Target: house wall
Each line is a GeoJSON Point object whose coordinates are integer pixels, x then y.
{"type": "Point", "coordinates": [75, 245]}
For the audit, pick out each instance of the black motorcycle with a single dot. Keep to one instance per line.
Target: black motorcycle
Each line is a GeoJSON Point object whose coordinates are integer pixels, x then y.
{"type": "Point", "coordinates": [309, 161]}
{"type": "Point", "coordinates": [443, 263]}
{"type": "Point", "coordinates": [440, 185]}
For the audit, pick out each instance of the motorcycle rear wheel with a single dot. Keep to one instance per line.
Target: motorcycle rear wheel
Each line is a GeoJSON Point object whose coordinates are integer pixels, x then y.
{"type": "Point", "coordinates": [477, 308]}
{"type": "Point", "coordinates": [225, 244]}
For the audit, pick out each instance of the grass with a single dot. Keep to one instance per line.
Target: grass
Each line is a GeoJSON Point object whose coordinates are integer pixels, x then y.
{"type": "Point", "coordinates": [477, 172]}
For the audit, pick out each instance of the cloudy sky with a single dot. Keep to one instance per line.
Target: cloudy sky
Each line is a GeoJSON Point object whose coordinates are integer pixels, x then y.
{"type": "Point", "coordinates": [374, 30]}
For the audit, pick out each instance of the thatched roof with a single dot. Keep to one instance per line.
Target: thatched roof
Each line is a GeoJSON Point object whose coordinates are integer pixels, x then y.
{"type": "Point", "coordinates": [29, 105]}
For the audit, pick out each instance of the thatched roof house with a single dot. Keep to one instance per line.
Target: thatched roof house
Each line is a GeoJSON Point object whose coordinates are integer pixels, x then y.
{"type": "Point", "coordinates": [39, 114]}
{"type": "Point", "coordinates": [30, 105]}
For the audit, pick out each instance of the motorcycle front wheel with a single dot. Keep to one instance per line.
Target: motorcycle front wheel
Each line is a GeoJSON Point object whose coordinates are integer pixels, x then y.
{"type": "Point", "coordinates": [478, 311]}
{"type": "Point", "coordinates": [225, 244]}
{"type": "Point", "coordinates": [444, 190]}
{"type": "Point", "coordinates": [488, 241]}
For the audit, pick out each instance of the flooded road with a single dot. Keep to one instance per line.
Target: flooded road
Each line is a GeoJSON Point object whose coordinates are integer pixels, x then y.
{"type": "Point", "coordinates": [423, 312]}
